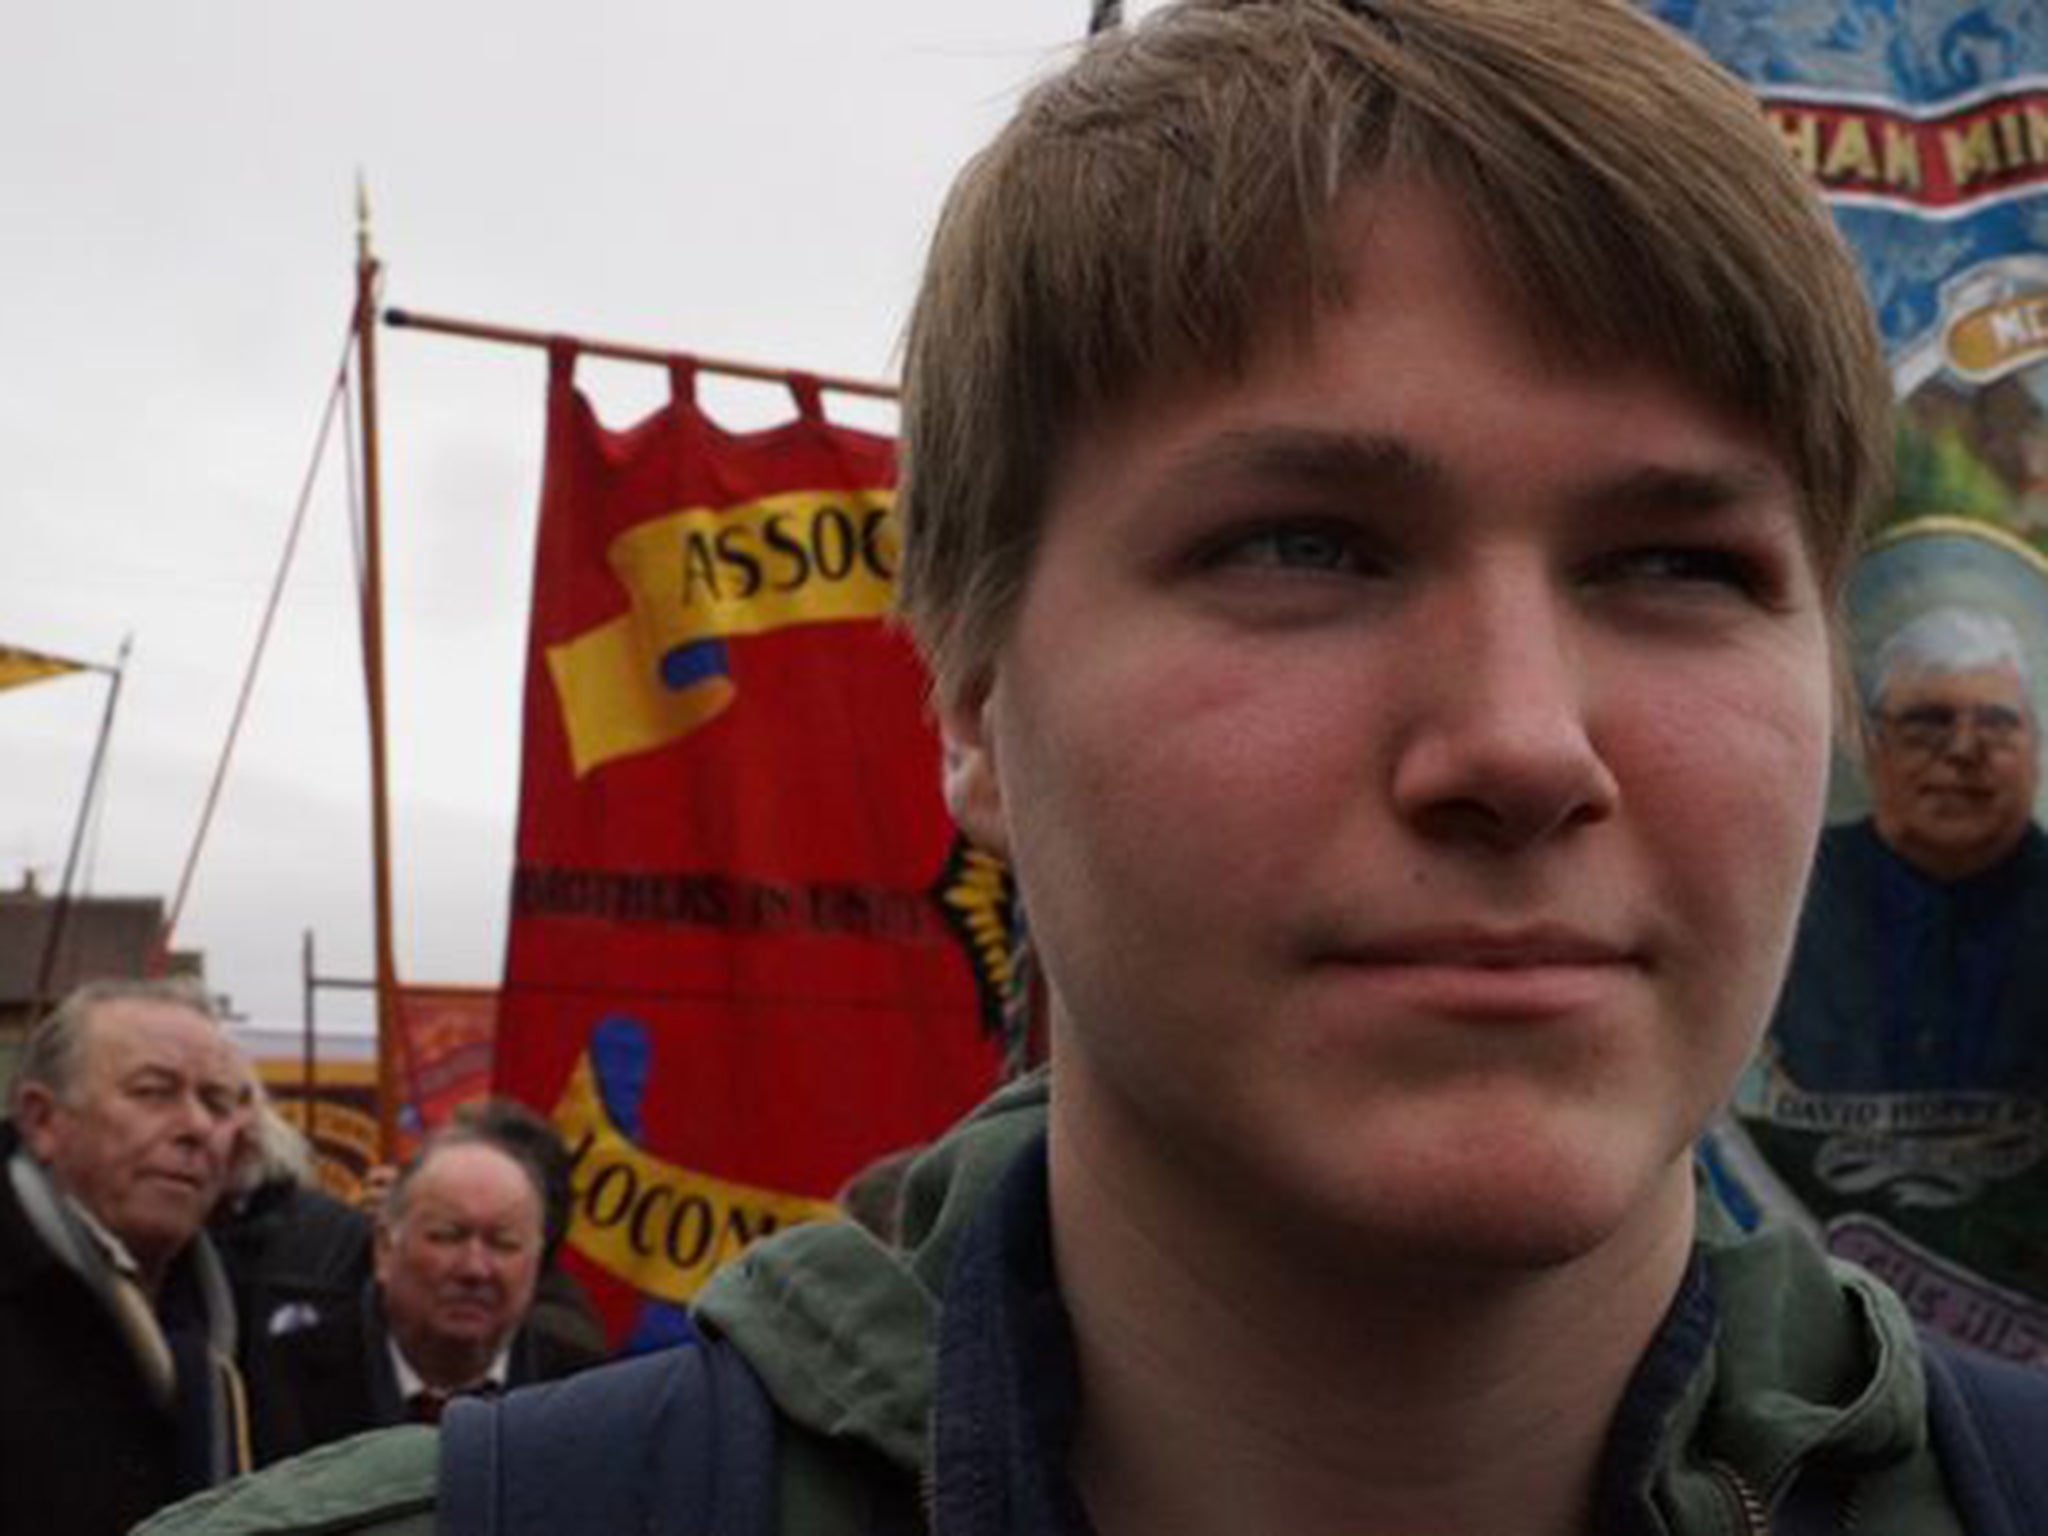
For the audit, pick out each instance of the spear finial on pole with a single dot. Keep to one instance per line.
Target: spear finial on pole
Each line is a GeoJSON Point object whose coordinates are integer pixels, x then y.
{"type": "Point", "coordinates": [362, 218]}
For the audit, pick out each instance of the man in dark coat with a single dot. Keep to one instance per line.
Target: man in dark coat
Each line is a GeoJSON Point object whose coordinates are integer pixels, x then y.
{"type": "Point", "coordinates": [458, 1251]}
{"type": "Point", "coordinates": [293, 1253]}
{"type": "Point", "coordinates": [118, 1391]}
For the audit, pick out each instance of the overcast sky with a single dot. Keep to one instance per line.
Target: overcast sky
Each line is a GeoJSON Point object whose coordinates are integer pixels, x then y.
{"type": "Point", "coordinates": [753, 179]}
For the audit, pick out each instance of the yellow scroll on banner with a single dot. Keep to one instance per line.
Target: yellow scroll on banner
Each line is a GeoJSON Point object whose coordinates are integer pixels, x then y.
{"type": "Point", "coordinates": [614, 703]}
{"type": "Point", "coordinates": [660, 1228]}
{"type": "Point", "coordinates": [698, 577]}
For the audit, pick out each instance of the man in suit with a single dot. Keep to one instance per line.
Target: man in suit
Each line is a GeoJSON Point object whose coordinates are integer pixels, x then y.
{"type": "Point", "coordinates": [458, 1251]}
{"type": "Point", "coordinates": [117, 1334]}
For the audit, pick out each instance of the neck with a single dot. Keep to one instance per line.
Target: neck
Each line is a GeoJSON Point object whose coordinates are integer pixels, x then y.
{"type": "Point", "coordinates": [444, 1365]}
{"type": "Point", "coordinates": [150, 1273]}
{"type": "Point", "coordinates": [1363, 1398]}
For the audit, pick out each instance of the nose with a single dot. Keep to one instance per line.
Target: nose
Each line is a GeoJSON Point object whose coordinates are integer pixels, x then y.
{"type": "Point", "coordinates": [1969, 739]}
{"type": "Point", "coordinates": [1497, 750]}
{"type": "Point", "coordinates": [478, 1262]}
{"type": "Point", "coordinates": [197, 1121]}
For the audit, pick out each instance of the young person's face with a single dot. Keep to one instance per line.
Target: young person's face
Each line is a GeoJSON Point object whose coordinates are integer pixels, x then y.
{"type": "Point", "coordinates": [1413, 750]}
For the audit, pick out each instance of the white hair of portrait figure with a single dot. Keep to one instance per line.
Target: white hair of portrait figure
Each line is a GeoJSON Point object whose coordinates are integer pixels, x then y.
{"type": "Point", "coordinates": [1943, 641]}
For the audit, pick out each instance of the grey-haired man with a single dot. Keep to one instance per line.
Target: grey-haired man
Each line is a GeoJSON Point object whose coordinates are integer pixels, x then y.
{"type": "Point", "coordinates": [117, 1334]}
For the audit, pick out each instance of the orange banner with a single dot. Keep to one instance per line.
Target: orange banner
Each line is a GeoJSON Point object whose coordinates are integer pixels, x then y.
{"type": "Point", "coordinates": [447, 1042]}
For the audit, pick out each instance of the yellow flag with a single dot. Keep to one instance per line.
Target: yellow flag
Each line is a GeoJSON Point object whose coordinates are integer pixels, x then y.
{"type": "Point", "coordinates": [18, 666]}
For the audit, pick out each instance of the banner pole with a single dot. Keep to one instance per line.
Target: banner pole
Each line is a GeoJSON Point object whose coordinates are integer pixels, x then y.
{"type": "Point", "coordinates": [60, 913]}
{"type": "Point", "coordinates": [308, 1072]}
{"type": "Point", "coordinates": [512, 335]}
{"type": "Point", "coordinates": [367, 268]}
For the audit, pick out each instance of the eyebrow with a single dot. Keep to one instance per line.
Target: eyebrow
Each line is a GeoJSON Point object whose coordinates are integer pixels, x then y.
{"type": "Point", "coordinates": [1314, 459]}
{"type": "Point", "coordinates": [1684, 491]}
{"type": "Point", "coordinates": [155, 1072]}
{"type": "Point", "coordinates": [1392, 466]}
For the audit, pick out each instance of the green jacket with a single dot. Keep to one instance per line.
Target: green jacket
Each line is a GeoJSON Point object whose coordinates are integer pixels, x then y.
{"type": "Point", "coordinates": [1810, 1360]}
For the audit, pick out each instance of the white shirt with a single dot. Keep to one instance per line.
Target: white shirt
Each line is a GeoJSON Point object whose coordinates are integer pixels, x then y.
{"type": "Point", "coordinates": [411, 1383]}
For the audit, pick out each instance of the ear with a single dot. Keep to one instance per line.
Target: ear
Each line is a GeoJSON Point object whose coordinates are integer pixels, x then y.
{"type": "Point", "coordinates": [35, 1115]}
{"type": "Point", "coordinates": [380, 1251]}
{"type": "Point", "coordinates": [973, 784]}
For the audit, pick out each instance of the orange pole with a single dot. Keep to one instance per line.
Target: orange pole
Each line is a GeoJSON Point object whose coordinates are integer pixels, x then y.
{"type": "Point", "coordinates": [511, 335]}
{"type": "Point", "coordinates": [389, 1089]}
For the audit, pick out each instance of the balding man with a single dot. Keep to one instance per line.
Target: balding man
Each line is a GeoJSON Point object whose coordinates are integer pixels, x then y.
{"type": "Point", "coordinates": [117, 1391]}
{"type": "Point", "coordinates": [458, 1250]}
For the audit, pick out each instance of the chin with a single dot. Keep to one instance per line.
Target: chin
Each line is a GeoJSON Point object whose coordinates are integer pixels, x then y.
{"type": "Point", "coordinates": [1510, 1203]}
{"type": "Point", "coordinates": [162, 1234]}
{"type": "Point", "coordinates": [1511, 1237]}
{"type": "Point", "coordinates": [465, 1329]}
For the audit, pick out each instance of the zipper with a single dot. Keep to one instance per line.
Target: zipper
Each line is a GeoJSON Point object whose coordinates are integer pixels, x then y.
{"type": "Point", "coordinates": [1750, 1507]}
{"type": "Point", "coordinates": [1754, 1508]}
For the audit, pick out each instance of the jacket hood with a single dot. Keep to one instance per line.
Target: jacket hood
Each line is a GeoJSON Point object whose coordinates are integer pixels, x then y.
{"type": "Point", "coordinates": [1814, 1363]}
{"type": "Point", "coordinates": [843, 1330]}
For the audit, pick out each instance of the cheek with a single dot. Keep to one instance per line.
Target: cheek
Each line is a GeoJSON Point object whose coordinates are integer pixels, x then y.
{"type": "Point", "coordinates": [422, 1270]}
{"type": "Point", "coordinates": [123, 1144]}
{"type": "Point", "coordinates": [1171, 767]}
{"type": "Point", "coordinates": [1730, 786]}
{"type": "Point", "coordinates": [1888, 785]}
{"type": "Point", "coordinates": [135, 1135]}
{"type": "Point", "coordinates": [2021, 785]}
{"type": "Point", "coordinates": [1180, 810]}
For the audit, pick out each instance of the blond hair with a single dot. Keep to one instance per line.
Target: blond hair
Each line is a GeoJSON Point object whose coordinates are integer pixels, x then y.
{"type": "Point", "coordinates": [1163, 205]}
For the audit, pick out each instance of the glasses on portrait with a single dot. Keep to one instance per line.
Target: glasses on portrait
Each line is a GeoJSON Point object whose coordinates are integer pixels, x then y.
{"type": "Point", "coordinates": [1933, 727]}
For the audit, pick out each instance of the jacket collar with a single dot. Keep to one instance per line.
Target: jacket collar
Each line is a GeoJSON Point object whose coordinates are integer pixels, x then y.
{"type": "Point", "coordinates": [1008, 1387]}
{"type": "Point", "coordinates": [1770, 1359]}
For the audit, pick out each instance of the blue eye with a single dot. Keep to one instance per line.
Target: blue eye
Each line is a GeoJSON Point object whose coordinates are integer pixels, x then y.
{"type": "Point", "coordinates": [1294, 547]}
{"type": "Point", "coordinates": [1686, 565]}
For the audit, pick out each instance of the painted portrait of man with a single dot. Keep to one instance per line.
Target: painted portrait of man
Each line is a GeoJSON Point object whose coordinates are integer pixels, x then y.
{"type": "Point", "coordinates": [1901, 1099]}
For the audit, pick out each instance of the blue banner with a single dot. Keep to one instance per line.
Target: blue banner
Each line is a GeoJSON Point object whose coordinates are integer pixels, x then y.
{"type": "Point", "coordinates": [1927, 126]}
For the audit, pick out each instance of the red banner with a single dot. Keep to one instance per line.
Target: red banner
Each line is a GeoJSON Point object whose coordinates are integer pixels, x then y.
{"type": "Point", "coordinates": [747, 955]}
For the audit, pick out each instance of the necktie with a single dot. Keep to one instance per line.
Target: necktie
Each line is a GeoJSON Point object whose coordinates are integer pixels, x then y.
{"type": "Point", "coordinates": [428, 1404]}
{"type": "Point", "coordinates": [425, 1406]}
